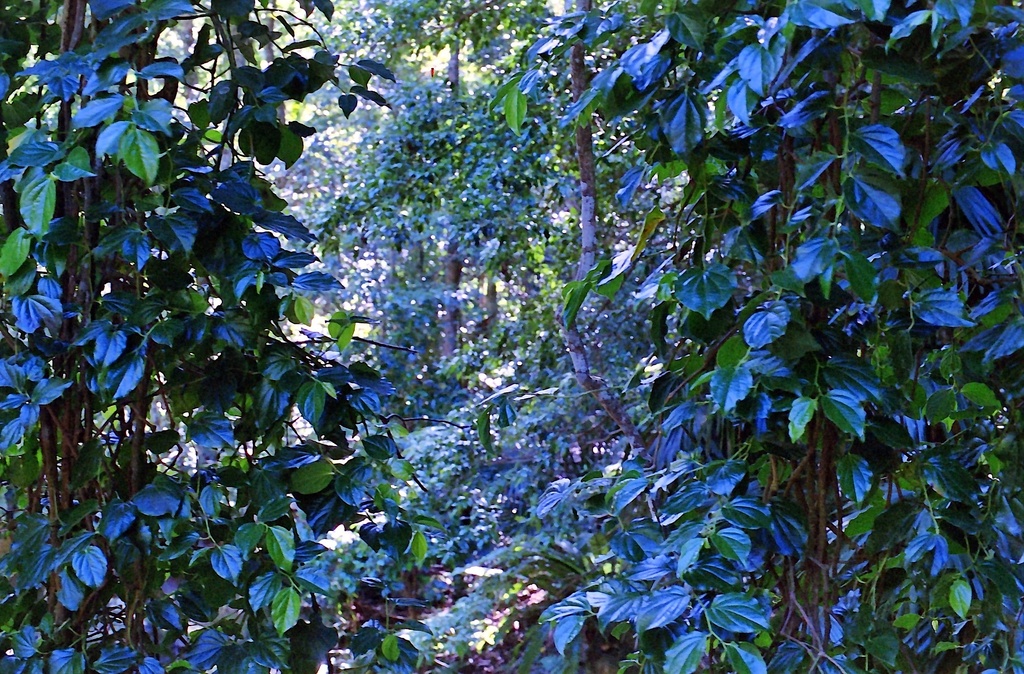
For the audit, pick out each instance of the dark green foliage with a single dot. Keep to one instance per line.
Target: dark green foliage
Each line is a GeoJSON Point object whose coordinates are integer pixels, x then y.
{"type": "Point", "coordinates": [172, 449]}
{"type": "Point", "coordinates": [834, 484]}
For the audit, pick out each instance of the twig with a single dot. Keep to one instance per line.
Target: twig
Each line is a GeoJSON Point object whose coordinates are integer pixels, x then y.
{"type": "Point", "coordinates": [428, 420]}
{"type": "Point", "coordinates": [364, 340]}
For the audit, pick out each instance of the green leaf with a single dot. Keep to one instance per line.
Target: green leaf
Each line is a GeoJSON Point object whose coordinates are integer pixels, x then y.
{"type": "Point", "coordinates": [140, 152]}
{"type": "Point", "coordinates": [845, 411]}
{"type": "Point", "coordinates": [15, 251]}
{"type": "Point", "coordinates": [418, 547]}
{"type": "Point", "coordinates": [248, 537]}
{"type": "Point", "coordinates": [907, 621]}
{"type": "Point", "coordinates": [862, 276]}
{"type": "Point", "coordinates": [981, 395]}
{"type": "Point", "coordinates": [280, 545]}
{"type": "Point", "coordinates": [284, 610]}
{"type": "Point", "coordinates": [290, 148]}
{"type": "Point", "coordinates": [90, 565]}
{"type": "Point", "coordinates": [38, 200]}
{"type": "Point", "coordinates": [730, 385]}
{"type": "Point", "coordinates": [705, 290]}
{"type": "Point", "coordinates": [686, 653]}
{"type": "Point", "coordinates": [75, 167]}
{"type": "Point", "coordinates": [800, 414]}
{"type": "Point", "coordinates": [960, 596]}
{"type": "Point", "coordinates": [389, 648]}
{"type": "Point", "coordinates": [515, 109]}
{"type": "Point", "coordinates": [313, 477]}
{"type": "Point", "coordinates": [737, 612]}
{"type": "Point", "coordinates": [745, 659]}
{"type": "Point", "coordinates": [854, 477]}
{"type": "Point", "coordinates": [875, 10]}
{"type": "Point", "coordinates": [732, 543]}
{"type": "Point", "coordinates": [941, 405]}
{"type": "Point", "coordinates": [303, 310]}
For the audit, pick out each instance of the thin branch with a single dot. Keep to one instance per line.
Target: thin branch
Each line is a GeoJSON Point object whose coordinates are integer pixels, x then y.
{"type": "Point", "coordinates": [364, 340]}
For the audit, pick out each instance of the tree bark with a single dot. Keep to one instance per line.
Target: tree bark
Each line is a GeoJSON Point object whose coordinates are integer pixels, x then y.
{"type": "Point", "coordinates": [452, 321]}
{"type": "Point", "coordinates": [452, 313]}
{"type": "Point", "coordinates": [611, 404]}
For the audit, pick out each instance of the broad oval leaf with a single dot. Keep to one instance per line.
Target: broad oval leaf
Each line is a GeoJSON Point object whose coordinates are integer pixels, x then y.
{"type": "Point", "coordinates": [705, 290]}
{"type": "Point", "coordinates": [737, 612]}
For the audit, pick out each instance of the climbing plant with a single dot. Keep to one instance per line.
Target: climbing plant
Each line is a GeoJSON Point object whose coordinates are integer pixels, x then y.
{"type": "Point", "coordinates": [831, 477]}
{"type": "Point", "coordinates": [173, 443]}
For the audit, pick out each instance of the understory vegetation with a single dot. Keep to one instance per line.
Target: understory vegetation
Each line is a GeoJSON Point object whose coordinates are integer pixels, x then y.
{"type": "Point", "coordinates": [422, 336]}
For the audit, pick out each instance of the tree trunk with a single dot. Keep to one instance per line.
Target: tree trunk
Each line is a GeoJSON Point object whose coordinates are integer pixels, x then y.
{"type": "Point", "coordinates": [452, 320]}
{"type": "Point", "coordinates": [588, 253]}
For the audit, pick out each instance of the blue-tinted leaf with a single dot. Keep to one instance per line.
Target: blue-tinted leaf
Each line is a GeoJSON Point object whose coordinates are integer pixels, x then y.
{"type": "Point", "coordinates": [745, 659]}
{"type": "Point", "coordinates": [263, 589]}
{"type": "Point", "coordinates": [737, 612]}
{"type": "Point", "coordinates": [819, 14]}
{"type": "Point", "coordinates": [316, 281]}
{"type": "Point", "coordinates": [116, 519]}
{"type": "Point", "coordinates": [979, 211]}
{"type": "Point", "coordinates": [90, 565]}
{"type": "Point", "coordinates": [105, 9]}
{"type": "Point", "coordinates": [226, 561]}
{"type": "Point", "coordinates": [158, 500]}
{"type": "Point", "coordinates": [34, 311]}
{"type": "Point", "coordinates": [662, 608]}
{"type": "Point", "coordinates": [942, 307]}
{"type": "Point", "coordinates": [705, 290]}
{"type": "Point", "coordinates": [873, 200]}
{"type": "Point", "coordinates": [97, 111]}
{"type": "Point", "coordinates": [682, 122]}
{"type": "Point", "coordinates": [758, 66]}
{"type": "Point", "coordinates": [114, 660]}
{"type": "Point", "coordinates": [854, 477]}
{"type": "Point", "coordinates": [845, 411]}
{"type": "Point", "coordinates": [211, 430]}
{"type": "Point", "coordinates": [814, 258]}
{"type": "Point", "coordinates": [765, 326]}
{"type": "Point", "coordinates": [207, 649]}
{"type": "Point", "coordinates": [730, 385]}
{"type": "Point", "coordinates": [882, 146]}
{"type": "Point", "coordinates": [66, 661]}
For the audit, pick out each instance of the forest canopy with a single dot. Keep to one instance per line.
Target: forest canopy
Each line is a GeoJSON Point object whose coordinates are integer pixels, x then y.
{"type": "Point", "coordinates": [421, 336]}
